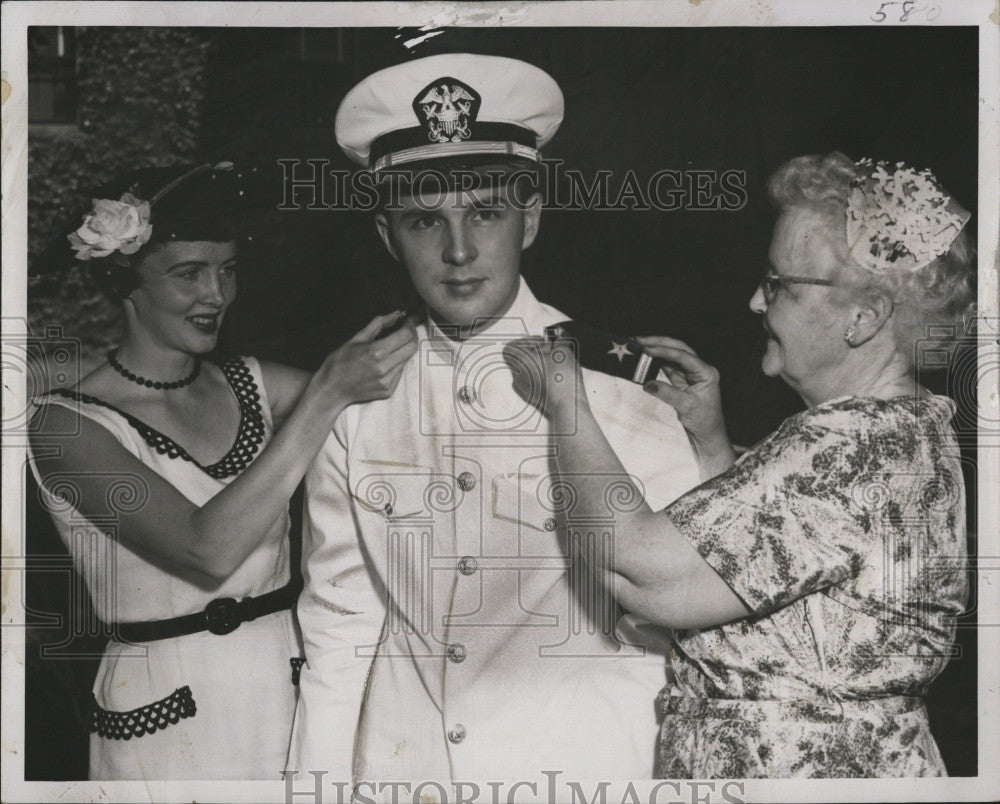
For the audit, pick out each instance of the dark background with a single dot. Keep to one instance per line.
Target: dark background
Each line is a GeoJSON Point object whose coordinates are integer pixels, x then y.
{"type": "Point", "coordinates": [636, 99]}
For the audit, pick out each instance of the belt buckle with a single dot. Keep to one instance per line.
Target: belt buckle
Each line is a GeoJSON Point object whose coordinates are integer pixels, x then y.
{"type": "Point", "coordinates": [223, 615]}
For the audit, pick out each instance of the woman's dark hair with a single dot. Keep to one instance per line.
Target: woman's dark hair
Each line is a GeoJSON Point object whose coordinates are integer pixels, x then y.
{"type": "Point", "coordinates": [117, 276]}
{"type": "Point", "coordinates": [187, 203]}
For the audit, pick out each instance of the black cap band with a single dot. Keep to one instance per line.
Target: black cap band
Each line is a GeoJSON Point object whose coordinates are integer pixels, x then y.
{"type": "Point", "coordinates": [411, 145]}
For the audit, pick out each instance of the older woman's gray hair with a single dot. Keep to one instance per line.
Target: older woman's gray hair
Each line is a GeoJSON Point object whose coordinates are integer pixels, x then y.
{"type": "Point", "coordinates": [932, 303]}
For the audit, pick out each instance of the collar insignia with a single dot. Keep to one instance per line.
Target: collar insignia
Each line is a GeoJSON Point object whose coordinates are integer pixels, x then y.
{"type": "Point", "coordinates": [619, 350]}
{"type": "Point", "coordinates": [447, 108]}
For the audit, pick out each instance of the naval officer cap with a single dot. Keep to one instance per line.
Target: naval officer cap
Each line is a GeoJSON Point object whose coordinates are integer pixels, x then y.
{"type": "Point", "coordinates": [450, 110]}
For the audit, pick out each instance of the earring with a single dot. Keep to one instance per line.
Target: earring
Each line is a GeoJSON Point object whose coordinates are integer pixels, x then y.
{"type": "Point", "coordinates": [850, 335]}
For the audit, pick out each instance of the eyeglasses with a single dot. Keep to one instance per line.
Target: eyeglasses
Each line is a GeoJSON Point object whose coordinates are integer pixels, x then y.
{"type": "Point", "coordinates": [771, 283]}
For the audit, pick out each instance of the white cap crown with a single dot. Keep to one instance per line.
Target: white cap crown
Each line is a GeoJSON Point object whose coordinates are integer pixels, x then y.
{"type": "Point", "coordinates": [448, 106]}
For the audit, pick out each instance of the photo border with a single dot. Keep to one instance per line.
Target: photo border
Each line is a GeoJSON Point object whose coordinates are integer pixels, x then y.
{"type": "Point", "coordinates": [682, 13]}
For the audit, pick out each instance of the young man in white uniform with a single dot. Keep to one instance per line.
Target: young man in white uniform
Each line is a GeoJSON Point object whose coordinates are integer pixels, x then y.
{"type": "Point", "coordinates": [434, 540]}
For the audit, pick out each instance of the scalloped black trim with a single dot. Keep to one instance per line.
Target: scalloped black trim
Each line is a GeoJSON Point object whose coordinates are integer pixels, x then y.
{"type": "Point", "coordinates": [146, 719]}
{"type": "Point", "coordinates": [249, 436]}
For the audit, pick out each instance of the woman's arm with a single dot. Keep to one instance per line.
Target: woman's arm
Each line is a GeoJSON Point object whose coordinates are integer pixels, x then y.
{"type": "Point", "coordinates": [284, 386]}
{"type": "Point", "coordinates": [693, 391]}
{"type": "Point", "coordinates": [652, 568]}
{"type": "Point", "coordinates": [216, 538]}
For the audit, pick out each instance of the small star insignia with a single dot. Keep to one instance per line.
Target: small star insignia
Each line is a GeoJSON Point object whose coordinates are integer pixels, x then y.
{"type": "Point", "coordinates": [619, 350]}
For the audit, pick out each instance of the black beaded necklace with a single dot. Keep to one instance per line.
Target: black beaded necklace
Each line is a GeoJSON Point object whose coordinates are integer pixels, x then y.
{"type": "Point", "coordinates": [164, 386]}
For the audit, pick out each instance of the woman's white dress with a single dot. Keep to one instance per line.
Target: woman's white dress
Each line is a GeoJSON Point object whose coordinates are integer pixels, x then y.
{"type": "Point", "coordinates": [202, 706]}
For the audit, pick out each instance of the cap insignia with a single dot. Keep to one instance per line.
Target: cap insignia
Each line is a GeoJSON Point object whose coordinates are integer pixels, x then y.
{"type": "Point", "coordinates": [447, 108]}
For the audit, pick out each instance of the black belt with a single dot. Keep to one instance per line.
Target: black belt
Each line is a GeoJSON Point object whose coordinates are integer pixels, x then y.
{"type": "Point", "coordinates": [221, 616]}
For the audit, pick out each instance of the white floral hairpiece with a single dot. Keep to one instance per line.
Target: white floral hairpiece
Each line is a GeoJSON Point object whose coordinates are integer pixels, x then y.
{"type": "Point", "coordinates": [901, 220]}
{"type": "Point", "coordinates": [123, 225]}
{"type": "Point", "coordinates": [112, 226]}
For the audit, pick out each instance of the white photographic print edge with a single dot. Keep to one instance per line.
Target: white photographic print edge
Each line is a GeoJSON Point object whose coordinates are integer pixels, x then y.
{"type": "Point", "coordinates": [423, 20]}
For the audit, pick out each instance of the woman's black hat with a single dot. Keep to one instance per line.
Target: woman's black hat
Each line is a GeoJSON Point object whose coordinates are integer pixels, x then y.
{"type": "Point", "coordinates": [155, 205]}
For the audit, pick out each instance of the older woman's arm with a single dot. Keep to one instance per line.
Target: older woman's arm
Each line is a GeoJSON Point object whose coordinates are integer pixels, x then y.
{"type": "Point", "coordinates": [693, 392]}
{"type": "Point", "coordinates": [652, 568]}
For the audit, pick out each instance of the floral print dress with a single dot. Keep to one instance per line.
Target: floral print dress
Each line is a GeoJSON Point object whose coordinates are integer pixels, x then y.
{"type": "Point", "coordinates": [844, 534]}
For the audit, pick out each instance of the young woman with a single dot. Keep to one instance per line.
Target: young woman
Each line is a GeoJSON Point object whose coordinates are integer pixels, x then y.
{"type": "Point", "coordinates": [171, 493]}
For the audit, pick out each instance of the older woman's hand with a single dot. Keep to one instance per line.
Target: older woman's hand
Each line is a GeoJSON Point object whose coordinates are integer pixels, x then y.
{"type": "Point", "coordinates": [546, 374]}
{"type": "Point", "coordinates": [693, 392]}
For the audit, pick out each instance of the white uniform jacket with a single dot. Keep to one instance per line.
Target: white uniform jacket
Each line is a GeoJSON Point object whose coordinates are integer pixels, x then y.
{"type": "Point", "coordinates": [496, 656]}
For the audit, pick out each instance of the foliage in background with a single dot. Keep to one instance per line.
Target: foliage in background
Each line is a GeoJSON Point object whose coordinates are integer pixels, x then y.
{"type": "Point", "coordinates": [140, 103]}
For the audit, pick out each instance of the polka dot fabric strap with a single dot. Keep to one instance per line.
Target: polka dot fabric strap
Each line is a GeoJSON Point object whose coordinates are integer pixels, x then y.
{"type": "Point", "coordinates": [249, 437]}
{"type": "Point", "coordinates": [144, 720]}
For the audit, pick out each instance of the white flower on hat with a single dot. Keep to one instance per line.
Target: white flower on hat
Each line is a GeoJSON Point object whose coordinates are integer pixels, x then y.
{"type": "Point", "coordinates": [111, 226]}
{"type": "Point", "coordinates": [901, 220]}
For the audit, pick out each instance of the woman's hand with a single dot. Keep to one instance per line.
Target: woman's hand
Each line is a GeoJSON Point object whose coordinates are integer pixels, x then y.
{"type": "Point", "coordinates": [546, 374]}
{"type": "Point", "coordinates": [215, 538]}
{"type": "Point", "coordinates": [367, 367]}
{"type": "Point", "coordinates": [694, 394]}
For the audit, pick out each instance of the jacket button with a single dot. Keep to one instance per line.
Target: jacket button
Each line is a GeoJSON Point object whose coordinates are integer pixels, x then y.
{"type": "Point", "coordinates": [456, 733]}
{"type": "Point", "coordinates": [467, 565]}
{"type": "Point", "coordinates": [466, 481]}
{"type": "Point", "coordinates": [457, 652]}
{"type": "Point", "coordinates": [466, 394]}
{"type": "Point", "coordinates": [549, 524]}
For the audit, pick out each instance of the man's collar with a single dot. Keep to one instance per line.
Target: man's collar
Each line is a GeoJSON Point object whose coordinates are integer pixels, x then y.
{"type": "Point", "coordinates": [525, 317]}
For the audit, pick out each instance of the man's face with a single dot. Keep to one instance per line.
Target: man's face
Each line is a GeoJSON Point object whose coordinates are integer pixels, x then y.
{"type": "Point", "coordinates": [462, 251]}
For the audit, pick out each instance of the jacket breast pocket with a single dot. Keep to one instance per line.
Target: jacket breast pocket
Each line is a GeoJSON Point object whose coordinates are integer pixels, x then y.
{"type": "Point", "coordinates": [407, 492]}
{"type": "Point", "coordinates": [531, 502]}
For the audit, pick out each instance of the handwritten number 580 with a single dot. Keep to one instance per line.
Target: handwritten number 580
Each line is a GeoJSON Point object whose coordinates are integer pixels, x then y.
{"type": "Point", "coordinates": [908, 7]}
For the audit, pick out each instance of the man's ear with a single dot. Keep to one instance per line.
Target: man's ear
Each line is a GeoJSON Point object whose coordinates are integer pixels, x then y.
{"type": "Point", "coordinates": [385, 232]}
{"type": "Point", "coordinates": [532, 219]}
{"type": "Point", "coordinates": [871, 313]}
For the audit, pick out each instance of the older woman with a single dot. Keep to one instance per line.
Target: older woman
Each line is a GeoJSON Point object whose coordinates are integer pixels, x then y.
{"type": "Point", "coordinates": [811, 584]}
